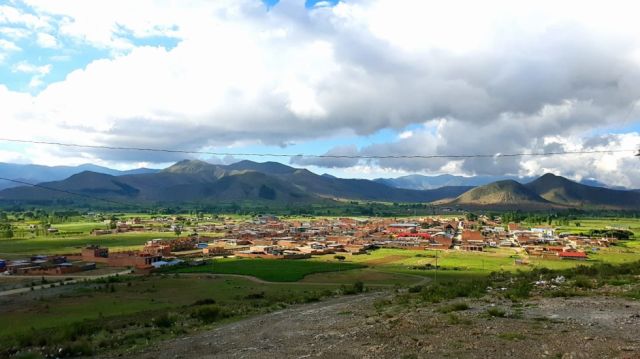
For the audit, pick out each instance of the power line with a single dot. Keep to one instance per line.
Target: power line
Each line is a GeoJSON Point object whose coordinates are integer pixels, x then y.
{"type": "Point", "coordinates": [240, 154]}
{"type": "Point", "coordinates": [65, 191]}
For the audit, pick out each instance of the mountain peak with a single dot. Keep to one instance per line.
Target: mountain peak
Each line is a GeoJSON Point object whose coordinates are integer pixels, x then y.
{"type": "Point", "coordinates": [190, 166]}
{"type": "Point", "coordinates": [273, 168]}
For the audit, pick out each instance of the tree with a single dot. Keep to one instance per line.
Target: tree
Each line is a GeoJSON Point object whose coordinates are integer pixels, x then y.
{"type": "Point", "coordinates": [6, 230]}
{"type": "Point", "coordinates": [177, 230]}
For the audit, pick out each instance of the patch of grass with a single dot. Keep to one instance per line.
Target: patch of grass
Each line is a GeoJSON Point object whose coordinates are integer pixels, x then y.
{"type": "Point", "coordinates": [496, 312]}
{"type": "Point", "coordinates": [441, 291]}
{"type": "Point", "coordinates": [209, 314]}
{"type": "Point", "coordinates": [511, 336]}
{"type": "Point", "coordinates": [454, 319]}
{"type": "Point", "coordinates": [584, 282]}
{"type": "Point", "coordinates": [453, 307]}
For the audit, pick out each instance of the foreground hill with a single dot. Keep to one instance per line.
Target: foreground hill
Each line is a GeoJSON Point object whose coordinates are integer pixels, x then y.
{"type": "Point", "coordinates": [198, 181]}
{"type": "Point", "coordinates": [563, 191]}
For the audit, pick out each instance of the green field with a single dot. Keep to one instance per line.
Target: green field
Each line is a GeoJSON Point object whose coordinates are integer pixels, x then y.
{"type": "Point", "coordinates": [283, 270]}
{"type": "Point", "coordinates": [52, 244]}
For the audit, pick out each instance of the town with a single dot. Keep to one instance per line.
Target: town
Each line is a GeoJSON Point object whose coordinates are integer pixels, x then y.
{"type": "Point", "coordinates": [270, 237]}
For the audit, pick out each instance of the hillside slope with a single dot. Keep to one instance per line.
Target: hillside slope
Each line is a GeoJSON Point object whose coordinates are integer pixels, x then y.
{"type": "Point", "coordinates": [560, 190]}
{"type": "Point", "coordinates": [198, 181]}
{"type": "Point", "coordinates": [507, 193]}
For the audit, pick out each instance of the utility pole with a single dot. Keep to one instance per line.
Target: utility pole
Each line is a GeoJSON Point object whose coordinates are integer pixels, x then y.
{"type": "Point", "coordinates": [435, 279]}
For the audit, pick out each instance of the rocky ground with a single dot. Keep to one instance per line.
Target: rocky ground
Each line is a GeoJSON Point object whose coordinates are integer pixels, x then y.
{"type": "Point", "coordinates": [381, 325]}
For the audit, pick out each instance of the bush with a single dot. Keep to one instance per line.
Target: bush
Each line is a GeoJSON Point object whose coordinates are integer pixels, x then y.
{"type": "Point", "coordinates": [438, 292]}
{"type": "Point", "coordinates": [496, 312]}
{"type": "Point", "coordinates": [584, 282]}
{"type": "Point", "coordinates": [255, 296]}
{"type": "Point", "coordinates": [521, 290]}
{"type": "Point", "coordinates": [206, 301]}
{"type": "Point", "coordinates": [164, 321]}
{"type": "Point", "coordinates": [209, 314]}
{"type": "Point", "coordinates": [74, 349]}
{"type": "Point", "coordinates": [454, 307]}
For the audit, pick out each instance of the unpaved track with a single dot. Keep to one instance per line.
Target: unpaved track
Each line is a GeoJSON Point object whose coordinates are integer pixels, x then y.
{"type": "Point", "coordinates": [422, 280]}
{"type": "Point", "coordinates": [78, 279]}
{"type": "Point", "coordinates": [319, 330]}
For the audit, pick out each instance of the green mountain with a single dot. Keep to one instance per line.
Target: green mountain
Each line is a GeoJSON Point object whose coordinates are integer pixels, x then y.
{"type": "Point", "coordinates": [38, 173]}
{"type": "Point", "coordinates": [502, 194]}
{"type": "Point", "coordinates": [202, 182]}
{"type": "Point", "coordinates": [560, 190]}
{"type": "Point", "coordinates": [547, 191]}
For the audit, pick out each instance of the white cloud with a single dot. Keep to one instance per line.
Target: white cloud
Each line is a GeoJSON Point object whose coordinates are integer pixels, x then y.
{"type": "Point", "coordinates": [7, 45]}
{"type": "Point", "coordinates": [496, 76]}
{"type": "Point", "coordinates": [46, 40]}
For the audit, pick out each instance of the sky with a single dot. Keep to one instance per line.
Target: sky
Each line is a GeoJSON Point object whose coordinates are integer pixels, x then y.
{"type": "Point", "coordinates": [352, 77]}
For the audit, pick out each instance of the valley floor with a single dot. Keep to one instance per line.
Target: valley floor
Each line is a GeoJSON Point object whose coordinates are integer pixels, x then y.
{"type": "Point", "coordinates": [377, 325]}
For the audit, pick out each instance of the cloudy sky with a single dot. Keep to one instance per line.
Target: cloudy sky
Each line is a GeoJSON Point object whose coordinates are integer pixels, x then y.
{"type": "Point", "coordinates": [353, 77]}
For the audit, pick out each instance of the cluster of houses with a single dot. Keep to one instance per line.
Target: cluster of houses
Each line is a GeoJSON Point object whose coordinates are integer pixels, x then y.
{"type": "Point", "coordinates": [44, 265]}
{"type": "Point", "coordinates": [267, 236]}
{"type": "Point", "coordinates": [270, 237]}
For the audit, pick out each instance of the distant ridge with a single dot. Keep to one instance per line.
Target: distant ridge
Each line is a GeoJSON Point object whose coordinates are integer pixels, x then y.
{"type": "Point", "coordinates": [547, 191]}
{"type": "Point", "coordinates": [38, 173]}
{"type": "Point", "coordinates": [560, 190]}
{"type": "Point", "coordinates": [199, 181]}
{"type": "Point", "coordinates": [429, 182]}
{"type": "Point", "coordinates": [193, 181]}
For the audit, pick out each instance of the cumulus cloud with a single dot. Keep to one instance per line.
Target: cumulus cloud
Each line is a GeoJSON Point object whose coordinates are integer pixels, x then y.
{"type": "Point", "coordinates": [330, 162]}
{"type": "Point", "coordinates": [46, 40]}
{"type": "Point", "coordinates": [484, 80]}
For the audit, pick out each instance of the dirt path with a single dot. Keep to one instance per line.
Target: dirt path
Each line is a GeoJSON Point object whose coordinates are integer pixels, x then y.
{"type": "Point", "coordinates": [66, 282]}
{"type": "Point", "coordinates": [320, 329]}
{"type": "Point", "coordinates": [422, 280]}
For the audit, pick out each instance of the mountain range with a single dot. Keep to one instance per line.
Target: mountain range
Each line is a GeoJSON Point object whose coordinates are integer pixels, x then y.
{"type": "Point", "coordinates": [38, 173]}
{"type": "Point", "coordinates": [198, 181]}
{"type": "Point", "coordinates": [193, 181]}
{"type": "Point", "coordinates": [430, 182]}
{"type": "Point", "coordinates": [547, 191]}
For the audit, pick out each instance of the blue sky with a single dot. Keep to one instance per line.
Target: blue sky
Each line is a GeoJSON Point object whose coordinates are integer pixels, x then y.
{"type": "Point", "coordinates": [370, 78]}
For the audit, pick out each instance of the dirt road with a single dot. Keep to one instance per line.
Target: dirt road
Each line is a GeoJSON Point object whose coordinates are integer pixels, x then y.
{"type": "Point", "coordinates": [357, 327]}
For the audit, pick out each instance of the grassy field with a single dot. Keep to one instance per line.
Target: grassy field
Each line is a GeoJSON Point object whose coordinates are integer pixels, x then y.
{"type": "Point", "coordinates": [135, 311]}
{"type": "Point", "coordinates": [51, 244]}
{"type": "Point", "coordinates": [268, 269]}
{"type": "Point", "coordinates": [586, 224]}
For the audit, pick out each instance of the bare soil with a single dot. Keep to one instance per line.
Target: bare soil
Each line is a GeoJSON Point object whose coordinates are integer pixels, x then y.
{"type": "Point", "coordinates": [373, 326]}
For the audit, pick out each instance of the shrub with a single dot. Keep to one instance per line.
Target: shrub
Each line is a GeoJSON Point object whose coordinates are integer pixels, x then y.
{"type": "Point", "coordinates": [164, 321]}
{"type": "Point", "coordinates": [454, 307]}
{"type": "Point", "coordinates": [583, 282]}
{"type": "Point", "coordinates": [521, 290]}
{"type": "Point", "coordinates": [255, 296]}
{"type": "Point", "coordinates": [209, 314]}
{"type": "Point", "coordinates": [438, 292]}
{"type": "Point", "coordinates": [206, 301]}
{"type": "Point", "coordinates": [496, 312]}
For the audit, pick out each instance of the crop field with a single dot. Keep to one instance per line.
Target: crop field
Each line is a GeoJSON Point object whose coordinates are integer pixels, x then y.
{"type": "Point", "coordinates": [584, 225]}
{"type": "Point", "coordinates": [52, 244]}
{"type": "Point", "coordinates": [284, 270]}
